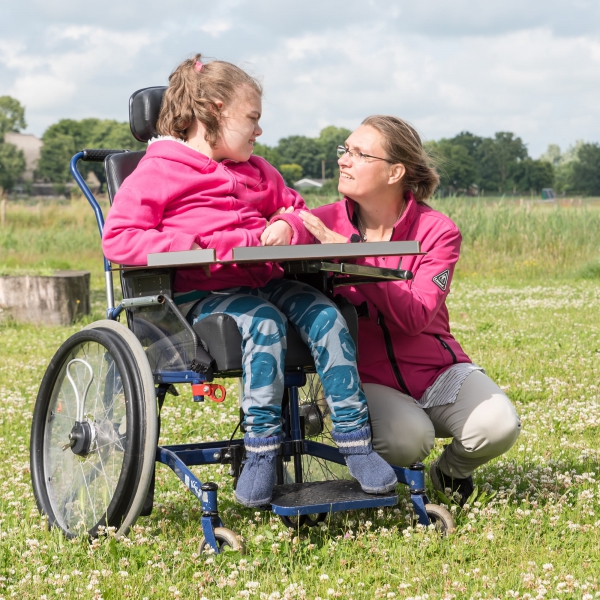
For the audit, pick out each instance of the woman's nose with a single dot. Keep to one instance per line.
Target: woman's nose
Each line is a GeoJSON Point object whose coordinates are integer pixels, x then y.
{"type": "Point", "coordinates": [344, 160]}
{"type": "Point", "coordinates": [258, 130]}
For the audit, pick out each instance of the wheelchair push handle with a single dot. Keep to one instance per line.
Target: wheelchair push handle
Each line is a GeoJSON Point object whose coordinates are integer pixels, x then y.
{"type": "Point", "coordinates": [98, 154]}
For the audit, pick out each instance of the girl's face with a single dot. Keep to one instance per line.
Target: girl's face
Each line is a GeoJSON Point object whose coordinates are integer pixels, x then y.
{"type": "Point", "coordinates": [239, 127]}
{"type": "Point", "coordinates": [368, 177]}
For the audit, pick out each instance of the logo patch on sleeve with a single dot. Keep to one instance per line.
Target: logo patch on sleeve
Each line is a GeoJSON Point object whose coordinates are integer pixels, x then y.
{"type": "Point", "coordinates": [441, 280]}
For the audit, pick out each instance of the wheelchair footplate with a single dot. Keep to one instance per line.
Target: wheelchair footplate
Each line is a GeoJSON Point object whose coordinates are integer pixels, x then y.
{"type": "Point", "coordinates": [295, 499]}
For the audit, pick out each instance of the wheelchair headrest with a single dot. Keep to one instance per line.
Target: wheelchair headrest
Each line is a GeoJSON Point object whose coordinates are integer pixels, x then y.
{"type": "Point", "coordinates": [144, 106]}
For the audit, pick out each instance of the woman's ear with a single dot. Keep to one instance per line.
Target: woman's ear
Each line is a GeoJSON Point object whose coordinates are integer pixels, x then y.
{"type": "Point", "coordinates": [397, 172]}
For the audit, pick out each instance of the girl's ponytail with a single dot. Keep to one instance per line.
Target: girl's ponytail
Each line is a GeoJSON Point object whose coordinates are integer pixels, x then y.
{"type": "Point", "coordinates": [193, 92]}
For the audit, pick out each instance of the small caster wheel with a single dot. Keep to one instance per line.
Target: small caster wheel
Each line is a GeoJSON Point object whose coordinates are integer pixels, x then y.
{"type": "Point", "coordinates": [293, 522]}
{"type": "Point", "coordinates": [227, 540]}
{"type": "Point", "coordinates": [300, 520]}
{"type": "Point", "coordinates": [441, 518]}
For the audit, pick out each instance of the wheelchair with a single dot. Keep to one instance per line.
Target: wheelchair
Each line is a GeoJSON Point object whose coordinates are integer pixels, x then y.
{"type": "Point", "coordinates": [95, 429]}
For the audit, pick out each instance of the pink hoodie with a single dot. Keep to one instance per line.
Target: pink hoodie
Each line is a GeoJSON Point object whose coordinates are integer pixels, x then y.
{"type": "Point", "coordinates": [404, 333]}
{"type": "Point", "coordinates": [177, 197]}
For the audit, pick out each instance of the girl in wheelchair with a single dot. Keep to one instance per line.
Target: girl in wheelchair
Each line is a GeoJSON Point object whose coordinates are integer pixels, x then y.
{"type": "Point", "coordinates": [200, 186]}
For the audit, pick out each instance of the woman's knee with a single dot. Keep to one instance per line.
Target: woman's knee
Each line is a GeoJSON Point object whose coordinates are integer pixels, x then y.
{"type": "Point", "coordinates": [402, 432]}
{"type": "Point", "coordinates": [494, 425]}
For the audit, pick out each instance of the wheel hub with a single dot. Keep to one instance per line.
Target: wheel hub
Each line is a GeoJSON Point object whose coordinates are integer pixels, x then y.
{"type": "Point", "coordinates": [82, 438]}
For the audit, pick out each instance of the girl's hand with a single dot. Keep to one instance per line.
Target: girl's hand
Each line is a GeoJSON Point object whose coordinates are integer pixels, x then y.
{"type": "Point", "coordinates": [277, 234]}
{"type": "Point", "coordinates": [318, 229]}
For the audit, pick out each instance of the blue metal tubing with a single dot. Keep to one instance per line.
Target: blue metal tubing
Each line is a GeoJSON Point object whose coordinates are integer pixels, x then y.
{"type": "Point", "coordinates": [179, 377]}
{"type": "Point", "coordinates": [90, 198]}
{"type": "Point", "coordinates": [294, 416]}
{"type": "Point", "coordinates": [180, 469]}
{"type": "Point", "coordinates": [414, 479]}
{"type": "Point", "coordinates": [195, 454]}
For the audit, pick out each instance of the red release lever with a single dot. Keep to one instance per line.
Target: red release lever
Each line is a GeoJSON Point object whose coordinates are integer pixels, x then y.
{"type": "Point", "coordinates": [210, 390]}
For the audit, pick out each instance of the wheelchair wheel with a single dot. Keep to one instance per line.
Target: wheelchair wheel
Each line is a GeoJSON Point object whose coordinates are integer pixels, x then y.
{"type": "Point", "coordinates": [317, 428]}
{"type": "Point", "coordinates": [440, 518]}
{"type": "Point", "coordinates": [315, 413]}
{"type": "Point", "coordinates": [226, 539]}
{"type": "Point", "coordinates": [93, 437]}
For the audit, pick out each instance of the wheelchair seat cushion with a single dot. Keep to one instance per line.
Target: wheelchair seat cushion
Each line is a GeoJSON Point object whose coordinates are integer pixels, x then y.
{"type": "Point", "coordinates": [224, 341]}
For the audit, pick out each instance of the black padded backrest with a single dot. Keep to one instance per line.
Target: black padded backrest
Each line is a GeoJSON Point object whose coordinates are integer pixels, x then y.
{"type": "Point", "coordinates": [118, 167]}
{"type": "Point", "coordinates": [144, 106]}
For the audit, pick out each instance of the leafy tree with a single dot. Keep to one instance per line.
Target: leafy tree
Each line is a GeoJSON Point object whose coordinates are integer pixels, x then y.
{"type": "Point", "coordinates": [12, 165]}
{"type": "Point", "coordinates": [268, 153]}
{"type": "Point", "coordinates": [586, 170]}
{"type": "Point", "coordinates": [303, 151]}
{"type": "Point", "coordinates": [55, 156]}
{"type": "Point", "coordinates": [63, 139]}
{"type": "Point", "coordinates": [12, 160]}
{"type": "Point", "coordinates": [291, 173]}
{"type": "Point", "coordinates": [457, 168]}
{"type": "Point", "coordinates": [12, 116]}
{"type": "Point", "coordinates": [533, 175]}
{"type": "Point", "coordinates": [564, 180]}
{"type": "Point", "coordinates": [329, 139]}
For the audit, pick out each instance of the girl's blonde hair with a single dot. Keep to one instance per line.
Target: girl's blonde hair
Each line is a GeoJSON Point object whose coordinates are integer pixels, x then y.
{"type": "Point", "coordinates": [194, 89]}
{"type": "Point", "coordinates": [403, 145]}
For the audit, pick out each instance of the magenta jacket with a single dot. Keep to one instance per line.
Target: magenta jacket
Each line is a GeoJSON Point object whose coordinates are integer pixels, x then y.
{"type": "Point", "coordinates": [404, 331]}
{"type": "Point", "coordinates": [178, 196]}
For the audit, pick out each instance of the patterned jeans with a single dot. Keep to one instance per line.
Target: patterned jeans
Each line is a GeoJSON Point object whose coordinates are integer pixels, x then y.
{"type": "Point", "coordinates": [260, 315]}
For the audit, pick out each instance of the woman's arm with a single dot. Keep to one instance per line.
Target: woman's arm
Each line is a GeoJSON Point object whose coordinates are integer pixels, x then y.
{"type": "Point", "coordinates": [409, 305]}
{"type": "Point", "coordinates": [412, 305]}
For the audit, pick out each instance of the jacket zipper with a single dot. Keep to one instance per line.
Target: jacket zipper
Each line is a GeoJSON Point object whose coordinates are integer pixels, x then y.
{"type": "Point", "coordinates": [390, 352]}
{"type": "Point", "coordinates": [447, 347]}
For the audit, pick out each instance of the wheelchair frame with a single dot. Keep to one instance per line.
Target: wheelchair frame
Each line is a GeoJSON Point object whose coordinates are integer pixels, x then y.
{"type": "Point", "coordinates": [290, 501]}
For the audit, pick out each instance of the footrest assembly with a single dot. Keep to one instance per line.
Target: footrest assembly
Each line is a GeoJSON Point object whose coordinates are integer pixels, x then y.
{"type": "Point", "coordinates": [325, 496]}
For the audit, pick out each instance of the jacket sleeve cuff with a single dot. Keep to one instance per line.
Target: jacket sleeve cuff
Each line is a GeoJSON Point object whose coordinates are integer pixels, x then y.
{"type": "Point", "coordinates": [300, 234]}
{"type": "Point", "coordinates": [182, 242]}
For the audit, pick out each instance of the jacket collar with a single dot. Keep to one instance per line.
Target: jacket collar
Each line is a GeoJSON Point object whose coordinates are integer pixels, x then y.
{"type": "Point", "coordinates": [402, 224]}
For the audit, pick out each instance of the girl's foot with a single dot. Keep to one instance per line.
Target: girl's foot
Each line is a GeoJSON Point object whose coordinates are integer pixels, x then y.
{"type": "Point", "coordinates": [365, 465]}
{"type": "Point", "coordinates": [257, 480]}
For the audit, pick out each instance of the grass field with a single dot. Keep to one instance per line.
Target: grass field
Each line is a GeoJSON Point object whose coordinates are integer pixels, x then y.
{"type": "Point", "coordinates": [525, 304]}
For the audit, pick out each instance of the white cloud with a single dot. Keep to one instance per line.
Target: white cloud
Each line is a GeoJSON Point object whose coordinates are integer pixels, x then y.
{"type": "Point", "coordinates": [532, 68]}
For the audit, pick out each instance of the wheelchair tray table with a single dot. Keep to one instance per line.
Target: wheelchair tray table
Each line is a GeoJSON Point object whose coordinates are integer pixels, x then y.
{"type": "Point", "coordinates": [260, 254]}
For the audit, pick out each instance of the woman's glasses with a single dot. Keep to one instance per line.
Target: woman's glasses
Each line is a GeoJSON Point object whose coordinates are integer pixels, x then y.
{"type": "Point", "coordinates": [358, 157]}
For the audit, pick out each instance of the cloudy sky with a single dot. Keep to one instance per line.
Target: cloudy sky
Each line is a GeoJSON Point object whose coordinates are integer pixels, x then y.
{"type": "Point", "coordinates": [527, 66]}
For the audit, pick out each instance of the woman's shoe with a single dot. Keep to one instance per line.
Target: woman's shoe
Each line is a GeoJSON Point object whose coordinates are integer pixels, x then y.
{"type": "Point", "coordinates": [460, 489]}
{"type": "Point", "coordinates": [257, 480]}
{"type": "Point", "coordinates": [365, 465]}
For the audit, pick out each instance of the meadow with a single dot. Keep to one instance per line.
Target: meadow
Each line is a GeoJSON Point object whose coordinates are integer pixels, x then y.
{"type": "Point", "coordinates": [525, 304]}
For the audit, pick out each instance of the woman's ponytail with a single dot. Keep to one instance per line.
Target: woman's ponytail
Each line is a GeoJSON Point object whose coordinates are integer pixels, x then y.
{"type": "Point", "coordinates": [403, 145]}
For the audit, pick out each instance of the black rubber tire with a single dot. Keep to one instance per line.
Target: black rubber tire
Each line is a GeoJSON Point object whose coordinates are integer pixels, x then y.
{"type": "Point", "coordinates": [441, 518]}
{"type": "Point", "coordinates": [226, 539]}
{"type": "Point", "coordinates": [80, 495]}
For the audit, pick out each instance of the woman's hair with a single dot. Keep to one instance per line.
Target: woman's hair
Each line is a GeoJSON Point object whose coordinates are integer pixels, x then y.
{"type": "Point", "coordinates": [403, 145]}
{"type": "Point", "coordinates": [194, 88]}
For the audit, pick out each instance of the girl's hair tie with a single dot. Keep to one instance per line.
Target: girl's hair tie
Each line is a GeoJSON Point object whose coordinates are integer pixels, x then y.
{"type": "Point", "coordinates": [198, 66]}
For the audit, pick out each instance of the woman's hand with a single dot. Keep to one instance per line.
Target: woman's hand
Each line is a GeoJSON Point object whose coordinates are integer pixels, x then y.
{"type": "Point", "coordinates": [280, 211]}
{"type": "Point", "coordinates": [318, 229]}
{"type": "Point", "coordinates": [277, 234]}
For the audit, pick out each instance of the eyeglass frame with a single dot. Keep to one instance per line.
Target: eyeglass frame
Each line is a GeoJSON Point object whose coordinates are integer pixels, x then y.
{"type": "Point", "coordinates": [360, 154]}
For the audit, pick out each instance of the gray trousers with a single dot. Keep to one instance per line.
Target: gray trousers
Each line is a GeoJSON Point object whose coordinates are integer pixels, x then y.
{"type": "Point", "coordinates": [482, 422]}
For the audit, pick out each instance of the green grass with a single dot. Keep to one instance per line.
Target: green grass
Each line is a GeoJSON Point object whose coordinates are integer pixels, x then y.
{"type": "Point", "coordinates": [535, 330]}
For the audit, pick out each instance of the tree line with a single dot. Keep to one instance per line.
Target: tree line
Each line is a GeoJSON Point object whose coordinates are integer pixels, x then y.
{"type": "Point", "coordinates": [468, 164]}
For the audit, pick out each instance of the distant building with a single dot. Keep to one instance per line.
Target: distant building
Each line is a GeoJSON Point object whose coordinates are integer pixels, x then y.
{"type": "Point", "coordinates": [306, 183]}
{"type": "Point", "coordinates": [31, 147]}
